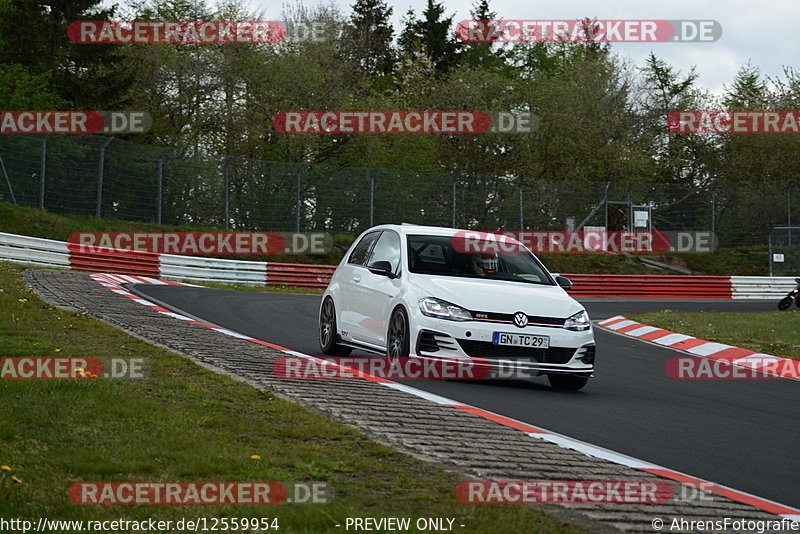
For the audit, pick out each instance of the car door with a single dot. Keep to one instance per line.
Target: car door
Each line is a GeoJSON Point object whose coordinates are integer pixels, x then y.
{"type": "Point", "coordinates": [379, 290]}
{"type": "Point", "coordinates": [350, 301]}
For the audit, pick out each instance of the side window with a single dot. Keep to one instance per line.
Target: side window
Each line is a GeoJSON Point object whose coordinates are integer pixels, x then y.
{"type": "Point", "coordinates": [432, 254]}
{"type": "Point", "coordinates": [360, 253]}
{"type": "Point", "coordinates": [387, 249]}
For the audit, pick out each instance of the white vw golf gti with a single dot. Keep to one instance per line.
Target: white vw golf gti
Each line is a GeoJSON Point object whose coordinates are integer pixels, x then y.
{"type": "Point", "coordinates": [427, 292]}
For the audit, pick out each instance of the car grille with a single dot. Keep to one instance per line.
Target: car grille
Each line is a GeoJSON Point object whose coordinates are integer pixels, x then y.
{"type": "Point", "coordinates": [490, 351]}
{"type": "Point", "coordinates": [432, 342]}
{"type": "Point", "coordinates": [539, 320]}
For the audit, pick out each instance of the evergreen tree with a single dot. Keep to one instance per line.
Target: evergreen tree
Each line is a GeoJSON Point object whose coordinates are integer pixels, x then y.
{"type": "Point", "coordinates": [433, 36]}
{"type": "Point", "coordinates": [368, 38]}
{"type": "Point", "coordinates": [35, 36]}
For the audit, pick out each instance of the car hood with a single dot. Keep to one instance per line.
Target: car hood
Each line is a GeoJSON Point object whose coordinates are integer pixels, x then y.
{"type": "Point", "coordinates": [498, 296]}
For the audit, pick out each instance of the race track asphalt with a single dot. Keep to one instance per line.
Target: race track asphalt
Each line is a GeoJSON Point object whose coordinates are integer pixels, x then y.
{"type": "Point", "coordinates": [740, 433]}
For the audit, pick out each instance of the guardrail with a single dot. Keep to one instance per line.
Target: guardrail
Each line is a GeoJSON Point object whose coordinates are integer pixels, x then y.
{"type": "Point", "coordinates": [48, 253]}
{"type": "Point", "coordinates": [650, 286]}
{"type": "Point", "coordinates": [761, 287]}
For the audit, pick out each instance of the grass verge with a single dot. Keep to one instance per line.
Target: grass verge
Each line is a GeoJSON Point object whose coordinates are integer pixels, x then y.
{"type": "Point", "coordinates": [768, 332]}
{"type": "Point", "coordinates": [185, 423]}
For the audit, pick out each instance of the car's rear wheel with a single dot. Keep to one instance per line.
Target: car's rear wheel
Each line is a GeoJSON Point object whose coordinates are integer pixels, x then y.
{"type": "Point", "coordinates": [328, 335]}
{"type": "Point", "coordinates": [567, 382]}
{"type": "Point", "coordinates": [398, 340]}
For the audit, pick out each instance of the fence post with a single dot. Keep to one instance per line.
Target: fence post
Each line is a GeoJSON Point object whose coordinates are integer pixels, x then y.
{"type": "Point", "coordinates": [297, 198]}
{"type": "Point", "coordinates": [160, 184]}
{"type": "Point", "coordinates": [8, 181]}
{"type": "Point", "coordinates": [227, 189]}
{"type": "Point", "coordinates": [521, 211]}
{"type": "Point", "coordinates": [372, 197]}
{"type": "Point", "coordinates": [42, 172]}
{"type": "Point", "coordinates": [455, 182]}
{"type": "Point", "coordinates": [769, 249]}
{"type": "Point", "coordinates": [100, 170]}
{"type": "Point", "coordinates": [789, 211]}
{"type": "Point", "coordinates": [714, 212]}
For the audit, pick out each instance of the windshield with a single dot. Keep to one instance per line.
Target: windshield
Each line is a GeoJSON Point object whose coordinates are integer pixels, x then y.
{"type": "Point", "coordinates": [436, 255]}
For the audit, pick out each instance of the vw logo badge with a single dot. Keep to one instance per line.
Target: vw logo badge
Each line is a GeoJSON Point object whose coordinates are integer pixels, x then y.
{"type": "Point", "coordinates": [520, 319]}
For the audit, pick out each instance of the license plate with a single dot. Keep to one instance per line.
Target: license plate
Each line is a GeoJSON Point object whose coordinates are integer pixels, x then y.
{"type": "Point", "coordinates": [509, 339]}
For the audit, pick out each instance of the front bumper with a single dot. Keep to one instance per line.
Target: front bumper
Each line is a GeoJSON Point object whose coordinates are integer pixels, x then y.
{"type": "Point", "coordinates": [570, 352]}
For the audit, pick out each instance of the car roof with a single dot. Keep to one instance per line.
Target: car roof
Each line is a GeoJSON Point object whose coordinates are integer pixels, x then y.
{"type": "Point", "coordinates": [412, 229]}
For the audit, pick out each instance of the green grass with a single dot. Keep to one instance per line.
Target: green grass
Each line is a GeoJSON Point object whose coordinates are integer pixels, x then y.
{"type": "Point", "coordinates": [185, 423]}
{"type": "Point", "coordinates": [768, 332]}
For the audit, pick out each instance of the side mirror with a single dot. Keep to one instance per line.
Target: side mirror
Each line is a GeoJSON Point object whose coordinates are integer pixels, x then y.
{"type": "Point", "coordinates": [382, 268]}
{"type": "Point", "coordinates": [564, 282]}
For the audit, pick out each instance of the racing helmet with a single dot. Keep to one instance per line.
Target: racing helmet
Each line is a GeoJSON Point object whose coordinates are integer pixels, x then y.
{"type": "Point", "coordinates": [485, 263]}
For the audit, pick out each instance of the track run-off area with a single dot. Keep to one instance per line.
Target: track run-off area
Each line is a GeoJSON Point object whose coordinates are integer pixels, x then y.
{"type": "Point", "coordinates": [739, 433]}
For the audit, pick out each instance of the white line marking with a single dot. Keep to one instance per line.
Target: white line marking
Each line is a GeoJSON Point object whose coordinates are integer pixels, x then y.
{"type": "Point", "coordinates": [671, 339]}
{"type": "Point", "coordinates": [641, 331]}
{"type": "Point", "coordinates": [707, 349]}
{"type": "Point", "coordinates": [621, 324]}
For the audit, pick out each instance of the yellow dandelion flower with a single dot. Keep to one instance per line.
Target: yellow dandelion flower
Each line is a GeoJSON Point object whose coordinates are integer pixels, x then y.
{"type": "Point", "coordinates": [17, 480]}
{"type": "Point", "coordinates": [58, 350]}
{"type": "Point", "coordinates": [22, 300]}
{"type": "Point", "coordinates": [255, 457]}
{"type": "Point", "coordinates": [5, 468]}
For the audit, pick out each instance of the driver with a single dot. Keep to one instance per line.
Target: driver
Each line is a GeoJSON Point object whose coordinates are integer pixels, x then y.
{"type": "Point", "coordinates": [485, 264]}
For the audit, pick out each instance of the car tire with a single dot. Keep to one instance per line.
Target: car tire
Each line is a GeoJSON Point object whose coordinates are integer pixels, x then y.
{"type": "Point", "coordinates": [398, 336]}
{"type": "Point", "coordinates": [567, 382]}
{"type": "Point", "coordinates": [785, 303]}
{"type": "Point", "coordinates": [328, 334]}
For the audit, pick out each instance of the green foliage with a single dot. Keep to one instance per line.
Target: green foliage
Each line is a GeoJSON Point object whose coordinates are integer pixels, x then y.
{"type": "Point", "coordinates": [34, 35]}
{"type": "Point", "coordinates": [20, 90]}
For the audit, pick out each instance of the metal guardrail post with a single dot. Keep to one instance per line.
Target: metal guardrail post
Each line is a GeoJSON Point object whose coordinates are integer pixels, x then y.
{"type": "Point", "coordinates": [160, 185]}
{"type": "Point", "coordinates": [100, 171]}
{"type": "Point", "coordinates": [42, 170]}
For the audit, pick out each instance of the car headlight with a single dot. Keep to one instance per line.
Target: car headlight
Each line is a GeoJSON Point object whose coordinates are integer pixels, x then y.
{"type": "Point", "coordinates": [443, 310]}
{"type": "Point", "coordinates": [579, 321]}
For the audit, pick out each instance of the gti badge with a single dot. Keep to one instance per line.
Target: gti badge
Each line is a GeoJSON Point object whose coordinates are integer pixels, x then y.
{"type": "Point", "coordinates": [520, 319]}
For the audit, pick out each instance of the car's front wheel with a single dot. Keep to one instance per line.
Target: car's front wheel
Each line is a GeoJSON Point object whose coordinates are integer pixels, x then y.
{"type": "Point", "coordinates": [398, 340]}
{"type": "Point", "coordinates": [328, 335]}
{"type": "Point", "coordinates": [567, 382]}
